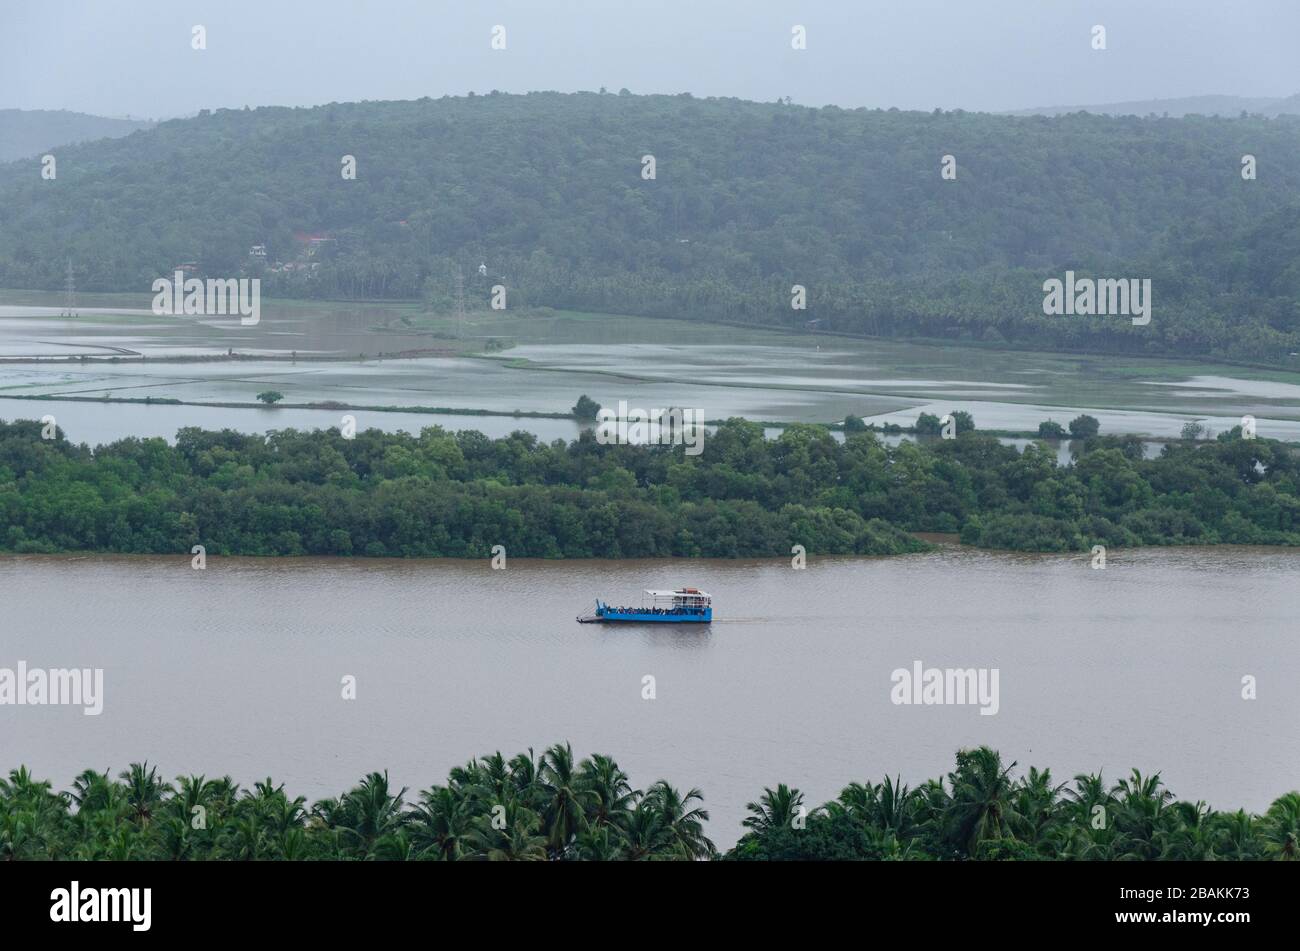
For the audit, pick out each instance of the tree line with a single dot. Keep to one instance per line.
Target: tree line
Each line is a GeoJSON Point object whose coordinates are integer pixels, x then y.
{"type": "Point", "coordinates": [457, 494]}
{"type": "Point", "coordinates": [527, 808]}
{"type": "Point", "coordinates": [553, 807]}
{"type": "Point", "coordinates": [982, 811]}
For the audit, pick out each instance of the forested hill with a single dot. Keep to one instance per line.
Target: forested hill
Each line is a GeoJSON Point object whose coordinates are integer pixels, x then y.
{"type": "Point", "coordinates": [747, 200]}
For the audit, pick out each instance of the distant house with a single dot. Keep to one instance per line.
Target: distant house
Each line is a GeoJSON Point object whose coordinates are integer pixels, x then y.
{"type": "Point", "coordinates": [189, 267]}
{"type": "Point", "coordinates": [257, 251]}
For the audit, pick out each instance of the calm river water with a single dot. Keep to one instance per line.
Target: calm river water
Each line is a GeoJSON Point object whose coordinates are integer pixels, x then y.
{"type": "Point", "coordinates": [236, 669]}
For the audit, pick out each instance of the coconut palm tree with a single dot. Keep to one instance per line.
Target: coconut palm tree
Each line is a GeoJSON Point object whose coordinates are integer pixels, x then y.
{"type": "Point", "coordinates": [600, 843]}
{"type": "Point", "coordinates": [1140, 800]}
{"type": "Point", "coordinates": [1037, 804]}
{"type": "Point", "coordinates": [488, 778]}
{"type": "Point", "coordinates": [511, 833]}
{"type": "Point", "coordinates": [982, 804]}
{"type": "Point", "coordinates": [195, 814]}
{"type": "Point", "coordinates": [682, 824]}
{"type": "Point", "coordinates": [856, 800]}
{"type": "Point", "coordinates": [294, 845]}
{"type": "Point", "coordinates": [775, 809]}
{"type": "Point", "coordinates": [1237, 836]}
{"type": "Point", "coordinates": [1187, 832]}
{"type": "Point", "coordinates": [644, 834]}
{"type": "Point", "coordinates": [1280, 828]}
{"type": "Point", "coordinates": [175, 837]}
{"type": "Point", "coordinates": [440, 823]}
{"type": "Point", "coordinates": [524, 774]}
{"type": "Point", "coordinates": [930, 802]}
{"type": "Point", "coordinates": [895, 808]}
{"type": "Point", "coordinates": [36, 818]}
{"type": "Point", "coordinates": [369, 812]}
{"type": "Point", "coordinates": [93, 830]}
{"type": "Point", "coordinates": [144, 790]}
{"type": "Point", "coordinates": [1085, 830]}
{"type": "Point", "coordinates": [95, 791]}
{"type": "Point", "coordinates": [124, 845]}
{"type": "Point", "coordinates": [563, 798]}
{"type": "Point", "coordinates": [245, 839]}
{"type": "Point", "coordinates": [394, 847]}
{"type": "Point", "coordinates": [20, 835]}
{"type": "Point", "coordinates": [609, 792]}
{"type": "Point", "coordinates": [192, 792]}
{"type": "Point", "coordinates": [283, 814]}
{"type": "Point", "coordinates": [885, 845]}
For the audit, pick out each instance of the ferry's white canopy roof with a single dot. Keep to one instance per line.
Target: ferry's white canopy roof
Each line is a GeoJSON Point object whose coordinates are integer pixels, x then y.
{"type": "Point", "coordinates": [676, 594]}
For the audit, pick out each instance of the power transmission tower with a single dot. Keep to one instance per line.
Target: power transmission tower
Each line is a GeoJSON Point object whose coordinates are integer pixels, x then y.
{"type": "Point", "coordinates": [69, 294]}
{"type": "Point", "coordinates": [460, 302]}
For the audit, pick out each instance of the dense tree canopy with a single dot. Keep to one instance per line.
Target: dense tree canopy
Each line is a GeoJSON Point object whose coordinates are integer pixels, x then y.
{"type": "Point", "coordinates": [982, 811]}
{"type": "Point", "coordinates": [529, 808]}
{"type": "Point", "coordinates": [748, 199]}
{"type": "Point", "coordinates": [551, 807]}
{"type": "Point", "coordinates": [458, 494]}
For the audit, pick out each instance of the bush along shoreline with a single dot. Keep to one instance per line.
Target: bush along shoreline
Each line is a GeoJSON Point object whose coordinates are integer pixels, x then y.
{"type": "Point", "coordinates": [554, 807]}
{"type": "Point", "coordinates": [445, 494]}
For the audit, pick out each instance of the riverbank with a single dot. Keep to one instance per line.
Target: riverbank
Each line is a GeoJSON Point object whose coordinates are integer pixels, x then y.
{"type": "Point", "coordinates": [439, 494]}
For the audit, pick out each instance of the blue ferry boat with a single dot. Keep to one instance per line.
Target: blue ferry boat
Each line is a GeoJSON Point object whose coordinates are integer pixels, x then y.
{"type": "Point", "coordinates": [683, 606]}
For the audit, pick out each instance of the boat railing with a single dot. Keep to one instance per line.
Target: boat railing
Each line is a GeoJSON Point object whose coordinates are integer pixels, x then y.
{"type": "Point", "coordinates": [676, 609]}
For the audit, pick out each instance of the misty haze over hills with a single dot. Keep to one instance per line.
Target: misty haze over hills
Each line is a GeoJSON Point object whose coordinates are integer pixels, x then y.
{"type": "Point", "coordinates": [26, 133]}
{"type": "Point", "coordinates": [1269, 106]}
{"type": "Point", "coordinates": [997, 55]}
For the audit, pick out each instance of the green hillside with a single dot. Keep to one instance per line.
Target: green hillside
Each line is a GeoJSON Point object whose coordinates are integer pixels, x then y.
{"type": "Point", "coordinates": [748, 200]}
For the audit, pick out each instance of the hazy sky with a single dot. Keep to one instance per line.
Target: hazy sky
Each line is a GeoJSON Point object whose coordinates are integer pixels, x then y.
{"type": "Point", "coordinates": [120, 57]}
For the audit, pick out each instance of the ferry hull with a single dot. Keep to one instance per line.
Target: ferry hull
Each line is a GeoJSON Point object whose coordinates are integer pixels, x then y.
{"type": "Point", "coordinates": [688, 606]}
{"type": "Point", "coordinates": [612, 616]}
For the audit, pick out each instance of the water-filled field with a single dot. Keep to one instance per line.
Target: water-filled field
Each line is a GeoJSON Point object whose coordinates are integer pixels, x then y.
{"type": "Point", "coordinates": [314, 352]}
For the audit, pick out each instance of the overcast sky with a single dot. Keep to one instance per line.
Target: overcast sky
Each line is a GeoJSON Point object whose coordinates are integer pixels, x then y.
{"type": "Point", "coordinates": [134, 57]}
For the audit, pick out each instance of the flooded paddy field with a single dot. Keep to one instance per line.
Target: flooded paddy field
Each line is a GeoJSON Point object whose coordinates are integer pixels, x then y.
{"type": "Point", "coordinates": [540, 362]}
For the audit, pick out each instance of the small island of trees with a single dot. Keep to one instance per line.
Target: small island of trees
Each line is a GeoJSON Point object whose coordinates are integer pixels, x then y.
{"type": "Point", "coordinates": [458, 494]}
